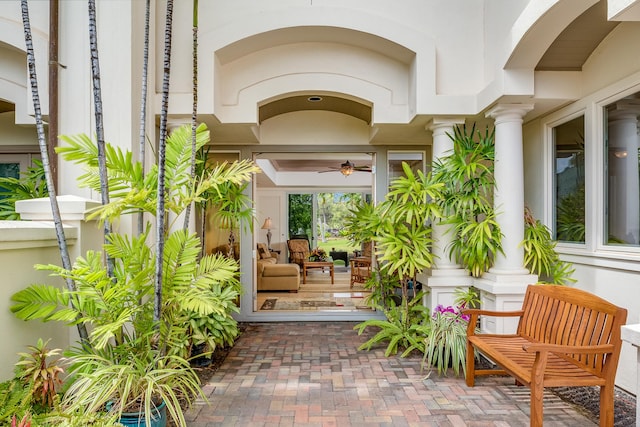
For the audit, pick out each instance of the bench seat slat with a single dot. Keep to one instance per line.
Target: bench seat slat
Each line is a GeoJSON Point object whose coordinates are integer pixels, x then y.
{"type": "Point", "coordinates": [508, 354]}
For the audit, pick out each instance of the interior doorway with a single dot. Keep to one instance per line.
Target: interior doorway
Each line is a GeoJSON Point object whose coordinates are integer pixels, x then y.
{"type": "Point", "coordinates": [307, 195]}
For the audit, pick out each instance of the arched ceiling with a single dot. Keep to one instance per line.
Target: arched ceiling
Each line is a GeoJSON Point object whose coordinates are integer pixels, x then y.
{"type": "Point", "coordinates": [315, 102]}
{"type": "Point", "coordinates": [574, 45]}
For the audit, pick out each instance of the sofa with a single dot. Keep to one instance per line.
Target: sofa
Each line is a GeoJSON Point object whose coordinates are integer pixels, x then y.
{"type": "Point", "coordinates": [273, 276]}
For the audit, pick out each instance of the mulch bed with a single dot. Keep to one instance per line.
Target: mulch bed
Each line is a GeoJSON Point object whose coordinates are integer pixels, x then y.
{"type": "Point", "coordinates": [588, 399]}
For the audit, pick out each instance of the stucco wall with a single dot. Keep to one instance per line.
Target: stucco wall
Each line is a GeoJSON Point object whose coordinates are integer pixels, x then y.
{"type": "Point", "coordinates": [22, 246]}
{"type": "Point", "coordinates": [611, 274]}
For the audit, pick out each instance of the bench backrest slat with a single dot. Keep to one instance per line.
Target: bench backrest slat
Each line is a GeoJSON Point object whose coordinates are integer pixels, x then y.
{"type": "Point", "coordinates": [562, 315]}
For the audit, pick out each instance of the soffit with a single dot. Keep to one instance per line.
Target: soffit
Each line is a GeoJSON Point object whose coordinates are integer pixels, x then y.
{"type": "Point", "coordinates": [574, 45]}
{"type": "Point", "coordinates": [5, 107]}
{"type": "Point", "coordinates": [315, 102]}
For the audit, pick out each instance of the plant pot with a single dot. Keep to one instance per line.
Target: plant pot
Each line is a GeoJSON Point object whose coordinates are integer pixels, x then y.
{"type": "Point", "coordinates": [137, 419]}
{"type": "Point", "coordinates": [197, 360]}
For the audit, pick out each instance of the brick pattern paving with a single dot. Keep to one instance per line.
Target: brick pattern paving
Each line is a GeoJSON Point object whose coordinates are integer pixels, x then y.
{"type": "Point", "coordinates": [312, 374]}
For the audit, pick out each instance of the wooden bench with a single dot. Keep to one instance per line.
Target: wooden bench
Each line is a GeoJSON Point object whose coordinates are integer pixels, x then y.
{"type": "Point", "coordinates": [565, 337]}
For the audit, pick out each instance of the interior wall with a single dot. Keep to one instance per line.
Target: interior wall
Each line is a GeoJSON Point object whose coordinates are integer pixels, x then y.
{"type": "Point", "coordinates": [272, 203]}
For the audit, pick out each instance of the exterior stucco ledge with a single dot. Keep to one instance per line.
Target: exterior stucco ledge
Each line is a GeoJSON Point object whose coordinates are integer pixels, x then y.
{"type": "Point", "coordinates": [504, 284]}
{"type": "Point", "coordinates": [71, 208]}
{"type": "Point", "coordinates": [631, 334]}
{"type": "Point", "coordinates": [29, 234]}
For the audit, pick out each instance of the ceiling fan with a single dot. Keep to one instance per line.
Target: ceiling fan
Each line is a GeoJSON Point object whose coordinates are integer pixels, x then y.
{"type": "Point", "coordinates": [347, 168]}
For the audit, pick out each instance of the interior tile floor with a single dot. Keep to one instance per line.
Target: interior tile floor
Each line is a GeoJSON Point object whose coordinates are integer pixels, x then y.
{"type": "Point", "coordinates": [318, 289]}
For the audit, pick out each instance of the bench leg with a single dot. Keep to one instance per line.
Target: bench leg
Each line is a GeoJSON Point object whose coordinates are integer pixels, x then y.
{"type": "Point", "coordinates": [606, 406]}
{"type": "Point", "coordinates": [470, 373]}
{"type": "Point", "coordinates": [537, 392]}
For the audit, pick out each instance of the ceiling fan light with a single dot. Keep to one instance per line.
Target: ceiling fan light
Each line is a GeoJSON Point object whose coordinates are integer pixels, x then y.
{"type": "Point", "coordinates": [346, 168]}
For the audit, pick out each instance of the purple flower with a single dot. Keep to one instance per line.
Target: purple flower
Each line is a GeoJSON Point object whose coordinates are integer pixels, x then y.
{"type": "Point", "coordinates": [450, 312]}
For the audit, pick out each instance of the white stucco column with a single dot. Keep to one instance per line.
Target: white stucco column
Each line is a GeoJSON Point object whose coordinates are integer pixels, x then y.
{"type": "Point", "coordinates": [503, 287]}
{"type": "Point", "coordinates": [447, 274]}
{"type": "Point", "coordinates": [508, 195]}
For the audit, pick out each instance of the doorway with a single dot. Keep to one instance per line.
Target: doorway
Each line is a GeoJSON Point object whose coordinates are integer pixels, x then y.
{"type": "Point", "coordinates": [309, 199]}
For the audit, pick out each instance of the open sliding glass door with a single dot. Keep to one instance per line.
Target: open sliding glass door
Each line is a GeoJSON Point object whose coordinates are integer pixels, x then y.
{"type": "Point", "coordinates": [302, 216]}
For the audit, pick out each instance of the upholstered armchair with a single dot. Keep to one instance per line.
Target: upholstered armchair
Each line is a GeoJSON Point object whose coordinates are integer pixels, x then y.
{"type": "Point", "coordinates": [299, 251]}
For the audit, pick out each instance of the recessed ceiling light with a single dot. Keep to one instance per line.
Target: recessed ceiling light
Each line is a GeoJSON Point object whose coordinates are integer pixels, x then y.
{"type": "Point", "coordinates": [314, 98]}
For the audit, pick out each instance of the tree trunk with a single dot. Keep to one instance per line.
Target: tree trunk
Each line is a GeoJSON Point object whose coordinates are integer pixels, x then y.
{"type": "Point", "coordinates": [55, 209]}
{"type": "Point", "coordinates": [97, 102]}
{"type": "Point", "coordinates": [160, 214]}
{"type": "Point", "coordinates": [143, 102]}
{"type": "Point", "coordinates": [194, 111]}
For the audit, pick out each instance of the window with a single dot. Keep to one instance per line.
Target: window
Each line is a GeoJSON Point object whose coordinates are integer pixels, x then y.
{"type": "Point", "coordinates": [622, 189]}
{"type": "Point", "coordinates": [415, 159]}
{"type": "Point", "coordinates": [568, 140]}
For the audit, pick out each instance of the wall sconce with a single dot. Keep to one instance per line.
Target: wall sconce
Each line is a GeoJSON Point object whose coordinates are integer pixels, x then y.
{"type": "Point", "coordinates": [346, 168]}
{"type": "Point", "coordinates": [268, 225]}
{"type": "Point", "coordinates": [621, 154]}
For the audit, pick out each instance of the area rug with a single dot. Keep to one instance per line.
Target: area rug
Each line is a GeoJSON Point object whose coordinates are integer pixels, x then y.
{"type": "Point", "coordinates": [303, 305]}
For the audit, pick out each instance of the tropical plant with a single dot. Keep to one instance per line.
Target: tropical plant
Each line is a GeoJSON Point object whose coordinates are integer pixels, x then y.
{"type": "Point", "coordinates": [15, 399]}
{"type": "Point", "coordinates": [399, 227]}
{"type": "Point", "coordinates": [467, 199]}
{"type": "Point", "coordinates": [30, 185]}
{"type": "Point", "coordinates": [129, 357]}
{"type": "Point", "coordinates": [403, 329]}
{"type": "Point", "coordinates": [446, 341]}
{"type": "Point", "coordinates": [232, 209]}
{"type": "Point", "coordinates": [40, 373]}
{"type": "Point", "coordinates": [540, 256]}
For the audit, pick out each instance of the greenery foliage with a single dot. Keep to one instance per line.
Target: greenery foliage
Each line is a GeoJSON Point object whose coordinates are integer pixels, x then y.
{"type": "Point", "coordinates": [129, 359]}
{"type": "Point", "coordinates": [300, 214]}
{"type": "Point", "coordinates": [540, 256]}
{"type": "Point", "coordinates": [403, 330]}
{"type": "Point", "coordinates": [467, 199]}
{"type": "Point", "coordinates": [31, 185]}
{"type": "Point", "coordinates": [446, 341]}
{"type": "Point", "coordinates": [398, 227]}
{"type": "Point", "coordinates": [42, 374]}
{"type": "Point", "coordinates": [571, 216]}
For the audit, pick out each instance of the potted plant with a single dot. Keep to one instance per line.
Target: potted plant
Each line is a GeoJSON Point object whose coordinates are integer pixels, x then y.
{"type": "Point", "coordinates": [130, 361]}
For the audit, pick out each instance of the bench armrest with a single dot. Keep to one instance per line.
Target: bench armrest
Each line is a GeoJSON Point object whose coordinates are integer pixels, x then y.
{"type": "Point", "coordinates": [568, 349]}
{"type": "Point", "coordinates": [478, 312]}
{"type": "Point", "coordinates": [473, 314]}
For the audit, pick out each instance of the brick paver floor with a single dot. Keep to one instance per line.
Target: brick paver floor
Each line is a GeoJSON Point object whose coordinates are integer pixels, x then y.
{"type": "Point", "coordinates": [312, 374]}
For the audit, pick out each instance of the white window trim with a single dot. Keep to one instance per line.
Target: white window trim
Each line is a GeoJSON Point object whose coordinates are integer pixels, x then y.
{"type": "Point", "coordinates": [592, 106]}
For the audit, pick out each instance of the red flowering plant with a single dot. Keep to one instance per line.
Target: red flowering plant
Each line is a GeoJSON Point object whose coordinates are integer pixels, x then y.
{"type": "Point", "coordinates": [446, 343]}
